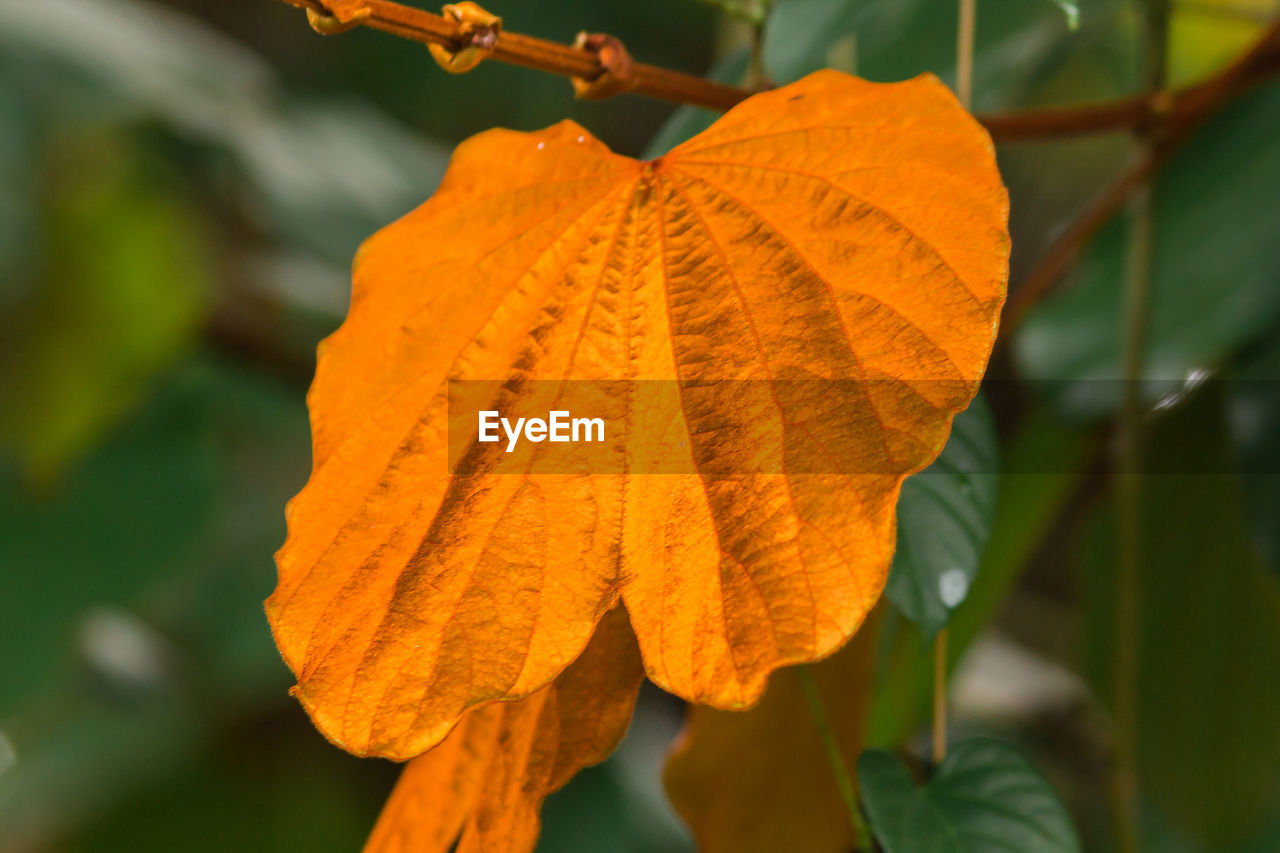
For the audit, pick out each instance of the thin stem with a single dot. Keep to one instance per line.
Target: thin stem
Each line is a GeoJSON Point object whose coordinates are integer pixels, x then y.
{"type": "Point", "coordinates": [1129, 464]}
{"type": "Point", "coordinates": [755, 69]}
{"type": "Point", "coordinates": [835, 758]}
{"type": "Point", "coordinates": [1127, 113]}
{"type": "Point", "coordinates": [1124, 784]}
{"type": "Point", "coordinates": [1157, 47]}
{"type": "Point", "coordinates": [964, 91]}
{"type": "Point", "coordinates": [940, 697]}
{"type": "Point", "coordinates": [964, 51]}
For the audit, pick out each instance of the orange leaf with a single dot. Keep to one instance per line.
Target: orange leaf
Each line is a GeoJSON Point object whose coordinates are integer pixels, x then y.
{"type": "Point", "coordinates": [832, 231]}
{"type": "Point", "coordinates": [759, 781]}
{"type": "Point", "coordinates": [489, 777]}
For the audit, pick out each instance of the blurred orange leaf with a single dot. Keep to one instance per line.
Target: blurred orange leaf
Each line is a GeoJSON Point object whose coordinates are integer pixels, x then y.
{"type": "Point", "coordinates": [832, 231]}
{"type": "Point", "coordinates": [488, 779]}
{"type": "Point", "coordinates": [760, 781]}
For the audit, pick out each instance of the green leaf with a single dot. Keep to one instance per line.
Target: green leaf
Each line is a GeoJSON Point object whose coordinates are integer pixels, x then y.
{"type": "Point", "coordinates": [1214, 280]}
{"type": "Point", "coordinates": [984, 798]}
{"type": "Point", "coordinates": [1043, 465]}
{"type": "Point", "coordinates": [944, 518]}
{"type": "Point", "coordinates": [1206, 693]}
{"type": "Point", "coordinates": [798, 34]}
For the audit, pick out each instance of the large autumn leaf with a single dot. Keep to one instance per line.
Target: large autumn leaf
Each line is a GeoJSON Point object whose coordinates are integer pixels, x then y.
{"type": "Point", "coordinates": [488, 779]}
{"type": "Point", "coordinates": [844, 234]}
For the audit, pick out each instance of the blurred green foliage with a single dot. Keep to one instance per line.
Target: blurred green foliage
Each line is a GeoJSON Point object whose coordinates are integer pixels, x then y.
{"type": "Point", "coordinates": [1218, 195]}
{"type": "Point", "coordinates": [1208, 636]}
{"type": "Point", "coordinates": [127, 273]}
{"type": "Point", "coordinates": [1253, 413]}
{"type": "Point", "coordinates": [182, 187]}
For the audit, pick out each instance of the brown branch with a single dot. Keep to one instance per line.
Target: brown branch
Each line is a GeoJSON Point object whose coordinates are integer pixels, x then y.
{"type": "Point", "coordinates": [1172, 108]}
{"type": "Point", "coordinates": [1062, 253]}
{"type": "Point", "coordinates": [1169, 130]}
{"type": "Point", "coordinates": [1183, 111]}
{"type": "Point", "coordinates": [540, 54]}
{"type": "Point", "coordinates": [1175, 113]}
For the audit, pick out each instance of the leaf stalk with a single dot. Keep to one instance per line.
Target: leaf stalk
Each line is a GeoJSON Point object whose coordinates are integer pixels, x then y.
{"type": "Point", "coordinates": [965, 32]}
{"type": "Point", "coordinates": [835, 758]}
{"type": "Point", "coordinates": [1129, 485]}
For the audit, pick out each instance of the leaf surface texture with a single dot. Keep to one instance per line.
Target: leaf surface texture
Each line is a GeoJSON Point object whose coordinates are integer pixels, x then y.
{"type": "Point", "coordinates": [832, 231]}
